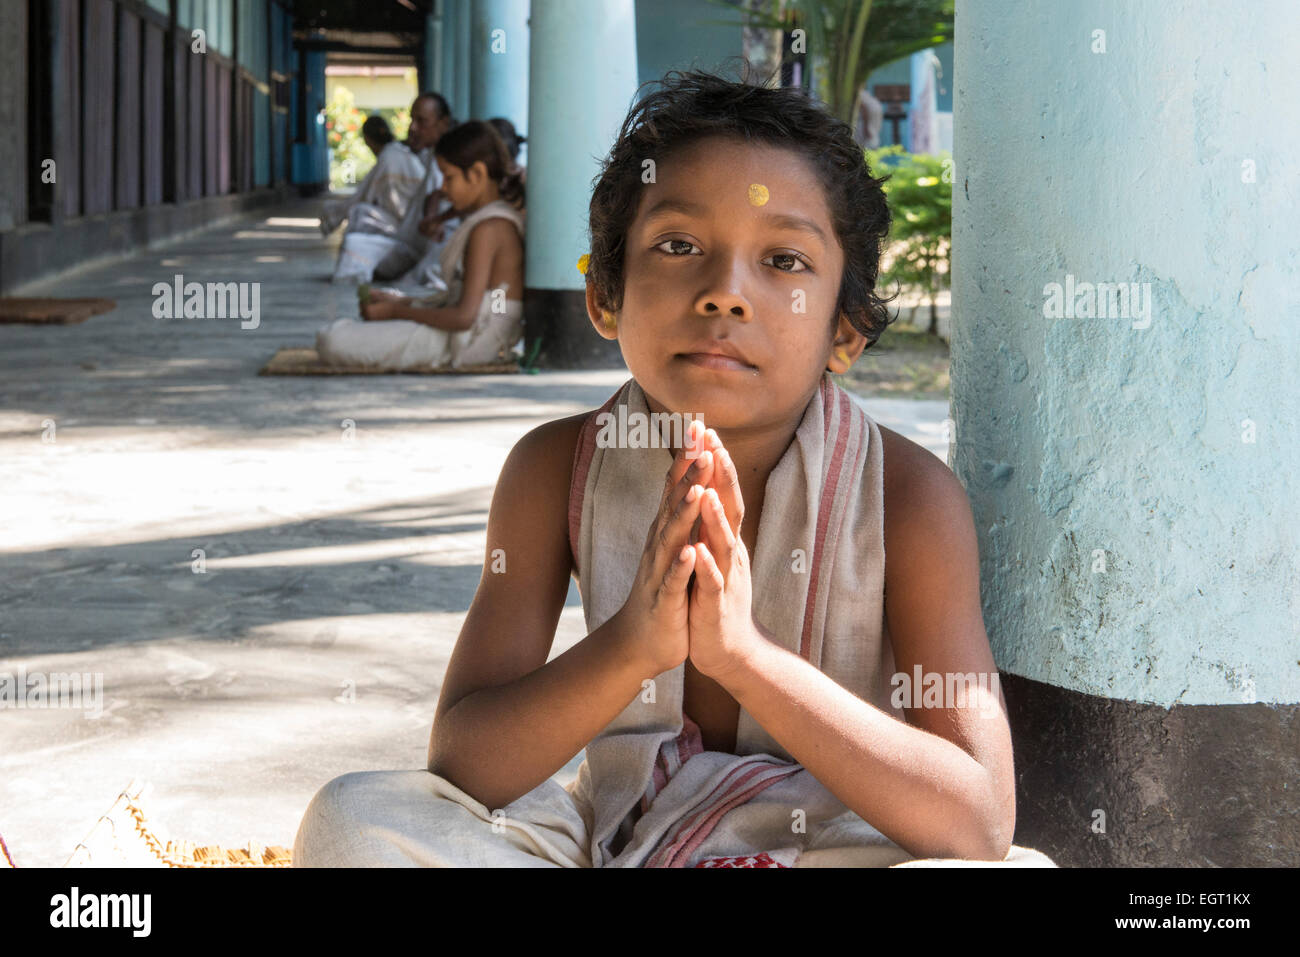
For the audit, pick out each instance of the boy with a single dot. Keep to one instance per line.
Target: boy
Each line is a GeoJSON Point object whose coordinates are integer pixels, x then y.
{"type": "Point", "coordinates": [733, 712]}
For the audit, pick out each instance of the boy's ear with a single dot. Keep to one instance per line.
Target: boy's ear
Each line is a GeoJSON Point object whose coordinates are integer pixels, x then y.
{"type": "Point", "coordinates": [845, 347]}
{"type": "Point", "coordinates": [604, 321]}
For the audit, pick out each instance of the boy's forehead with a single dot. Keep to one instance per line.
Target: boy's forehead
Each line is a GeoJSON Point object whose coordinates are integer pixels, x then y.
{"type": "Point", "coordinates": [719, 173]}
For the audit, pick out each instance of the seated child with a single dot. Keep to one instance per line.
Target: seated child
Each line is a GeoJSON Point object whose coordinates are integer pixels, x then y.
{"type": "Point", "coordinates": [738, 690]}
{"type": "Point", "coordinates": [478, 318]}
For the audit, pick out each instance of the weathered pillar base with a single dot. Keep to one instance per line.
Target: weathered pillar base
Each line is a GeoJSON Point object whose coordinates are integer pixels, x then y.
{"type": "Point", "coordinates": [559, 318]}
{"type": "Point", "coordinates": [1192, 785]}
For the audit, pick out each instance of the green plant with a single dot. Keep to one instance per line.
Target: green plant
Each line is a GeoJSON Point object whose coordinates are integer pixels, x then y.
{"type": "Point", "coordinates": [848, 39]}
{"type": "Point", "coordinates": [919, 191]}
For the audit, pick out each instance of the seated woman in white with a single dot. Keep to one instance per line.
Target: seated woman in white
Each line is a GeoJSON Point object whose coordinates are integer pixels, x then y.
{"type": "Point", "coordinates": [391, 186]}
{"type": "Point", "coordinates": [479, 317]}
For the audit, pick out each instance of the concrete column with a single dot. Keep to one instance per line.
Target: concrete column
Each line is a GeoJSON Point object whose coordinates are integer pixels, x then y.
{"type": "Point", "coordinates": [1133, 472]}
{"type": "Point", "coordinates": [582, 80]}
{"type": "Point", "coordinates": [447, 62]}
{"type": "Point", "coordinates": [464, 26]}
{"type": "Point", "coordinates": [499, 61]}
{"type": "Point", "coordinates": [455, 46]}
{"type": "Point", "coordinates": [431, 53]}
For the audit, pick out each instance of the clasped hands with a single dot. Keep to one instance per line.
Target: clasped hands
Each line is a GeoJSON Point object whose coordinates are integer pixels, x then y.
{"type": "Point", "coordinates": [696, 531]}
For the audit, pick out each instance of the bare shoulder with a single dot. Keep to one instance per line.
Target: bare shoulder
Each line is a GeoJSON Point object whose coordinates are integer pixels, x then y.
{"type": "Point", "coordinates": [929, 529]}
{"type": "Point", "coordinates": [496, 231]}
{"type": "Point", "coordinates": [543, 458]}
{"type": "Point", "coordinates": [919, 487]}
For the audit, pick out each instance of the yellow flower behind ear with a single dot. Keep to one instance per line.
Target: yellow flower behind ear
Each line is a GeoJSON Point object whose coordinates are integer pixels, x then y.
{"type": "Point", "coordinates": [583, 260]}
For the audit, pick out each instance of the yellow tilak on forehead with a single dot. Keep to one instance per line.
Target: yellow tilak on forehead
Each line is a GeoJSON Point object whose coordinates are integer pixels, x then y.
{"type": "Point", "coordinates": [758, 194]}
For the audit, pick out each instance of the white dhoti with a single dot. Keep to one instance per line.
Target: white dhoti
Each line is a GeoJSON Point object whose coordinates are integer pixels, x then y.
{"type": "Point", "coordinates": [418, 819]}
{"type": "Point", "coordinates": [405, 344]}
{"type": "Point", "coordinates": [366, 256]}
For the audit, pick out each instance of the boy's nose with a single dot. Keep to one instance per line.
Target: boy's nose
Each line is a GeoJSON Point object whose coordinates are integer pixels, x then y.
{"type": "Point", "coordinates": [725, 298]}
{"type": "Point", "coordinates": [732, 304]}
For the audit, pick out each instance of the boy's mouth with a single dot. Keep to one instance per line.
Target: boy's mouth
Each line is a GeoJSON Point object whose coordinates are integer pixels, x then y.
{"type": "Point", "coordinates": [717, 355]}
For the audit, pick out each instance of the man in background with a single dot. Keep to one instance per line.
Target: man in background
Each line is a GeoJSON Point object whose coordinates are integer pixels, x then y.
{"type": "Point", "coordinates": [374, 246]}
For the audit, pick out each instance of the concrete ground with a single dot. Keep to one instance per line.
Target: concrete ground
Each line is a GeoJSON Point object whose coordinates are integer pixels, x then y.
{"type": "Point", "coordinates": [339, 560]}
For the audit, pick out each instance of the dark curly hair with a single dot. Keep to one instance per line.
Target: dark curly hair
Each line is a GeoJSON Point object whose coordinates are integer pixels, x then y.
{"type": "Point", "coordinates": [693, 105]}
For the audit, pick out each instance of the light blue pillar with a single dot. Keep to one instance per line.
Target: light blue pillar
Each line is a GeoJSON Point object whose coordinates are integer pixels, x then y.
{"type": "Point", "coordinates": [464, 33]}
{"type": "Point", "coordinates": [582, 80]}
{"type": "Point", "coordinates": [454, 11]}
{"type": "Point", "coordinates": [499, 62]}
{"type": "Point", "coordinates": [431, 53]}
{"type": "Point", "coordinates": [681, 34]}
{"type": "Point", "coordinates": [1131, 452]}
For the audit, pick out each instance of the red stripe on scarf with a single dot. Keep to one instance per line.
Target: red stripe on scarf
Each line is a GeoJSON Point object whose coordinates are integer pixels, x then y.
{"type": "Point", "coordinates": [582, 455]}
{"type": "Point", "coordinates": [836, 405]}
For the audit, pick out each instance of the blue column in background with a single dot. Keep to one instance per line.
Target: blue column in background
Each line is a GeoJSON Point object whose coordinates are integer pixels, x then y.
{"type": "Point", "coordinates": [430, 72]}
{"type": "Point", "coordinates": [451, 11]}
{"type": "Point", "coordinates": [582, 79]}
{"type": "Point", "coordinates": [464, 22]}
{"type": "Point", "coordinates": [499, 62]}
{"type": "Point", "coordinates": [311, 159]}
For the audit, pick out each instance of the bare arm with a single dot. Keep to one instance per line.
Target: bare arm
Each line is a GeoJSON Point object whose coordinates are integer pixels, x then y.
{"type": "Point", "coordinates": [483, 244]}
{"type": "Point", "coordinates": [507, 720]}
{"type": "Point", "coordinates": [941, 785]}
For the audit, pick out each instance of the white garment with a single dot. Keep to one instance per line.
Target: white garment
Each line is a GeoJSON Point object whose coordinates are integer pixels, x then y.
{"type": "Point", "coordinates": [405, 344]}
{"type": "Point", "coordinates": [389, 189]}
{"type": "Point", "coordinates": [375, 246]}
{"type": "Point", "coordinates": [418, 819]}
{"type": "Point", "coordinates": [870, 116]}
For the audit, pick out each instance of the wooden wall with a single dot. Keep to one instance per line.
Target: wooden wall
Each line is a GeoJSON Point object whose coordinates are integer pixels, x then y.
{"type": "Point", "coordinates": [137, 118]}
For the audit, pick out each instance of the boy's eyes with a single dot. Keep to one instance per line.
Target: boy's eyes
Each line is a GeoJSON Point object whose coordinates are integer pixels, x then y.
{"type": "Point", "coordinates": [677, 251]}
{"type": "Point", "coordinates": [677, 242]}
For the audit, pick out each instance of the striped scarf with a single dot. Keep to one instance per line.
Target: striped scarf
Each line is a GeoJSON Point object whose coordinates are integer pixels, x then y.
{"type": "Point", "coordinates": [657, 799]}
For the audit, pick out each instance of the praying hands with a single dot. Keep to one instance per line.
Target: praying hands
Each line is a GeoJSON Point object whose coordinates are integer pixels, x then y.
{"type": "Point", "coordinates": [720, 621]}
{"type": "Point", "coordinates": [696, 531]}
